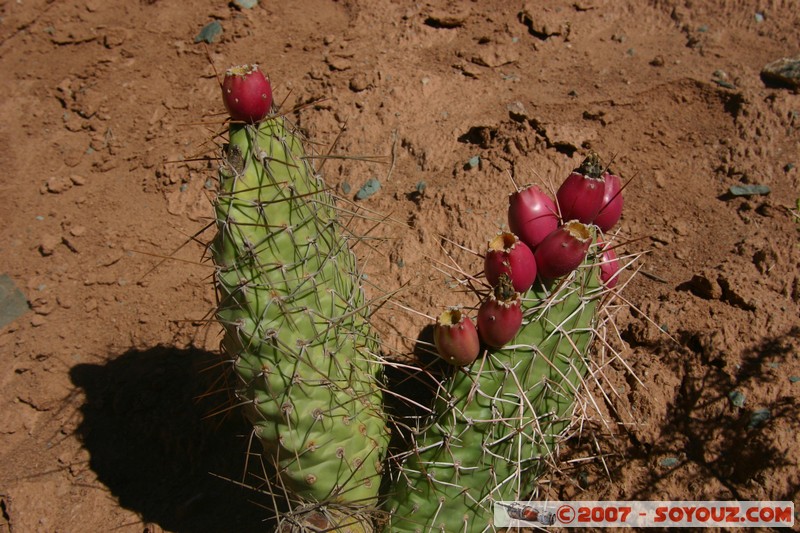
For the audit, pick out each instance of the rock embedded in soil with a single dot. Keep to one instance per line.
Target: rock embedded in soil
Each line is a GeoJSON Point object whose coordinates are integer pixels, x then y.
{"type": "Point", "coordinates": [495, 55]}
{"type": "Point", "coordinates": [210, 32]}
{"type": "Point", "coordinates": [447, 19]}
{"type": "Point", "coordinates": [48, 244]}
{"type": "Point", "coordinates": [517, 111]}
{"type": "Point", "coordinates": [704, 287]}
{"type": "Point", "coordinates": [542, 23]}
{"type": "Point", "coordinates": [13, 303]}
{"type": "Point", "coordinates": [359, 82]}
{"type": "Point", "coordinates": [58, 184]}
{"type": "Point", "coordinates": [783, 72]}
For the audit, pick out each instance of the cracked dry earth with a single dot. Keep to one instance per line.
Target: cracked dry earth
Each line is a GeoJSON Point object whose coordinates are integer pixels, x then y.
{"type": "Point", "coordinates": [111, 111]}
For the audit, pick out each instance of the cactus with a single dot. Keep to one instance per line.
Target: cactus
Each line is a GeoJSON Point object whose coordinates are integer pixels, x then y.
{"type": "Point", "coordinates": [297, 332]}
{"type": "Point", "coordinates": [296, 323]}
{"type": "Point", "coordinates": [495, 424]}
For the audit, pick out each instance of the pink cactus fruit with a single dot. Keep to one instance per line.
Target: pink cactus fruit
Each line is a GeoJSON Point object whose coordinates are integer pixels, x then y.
{"type": "Point", "coordinates": [563, 250]}
{"type": "Point", "coordinates": [247, 94]}
{"type": "Point", "coordinates": [609, 265]}
{"type": "Point", "coordinates": [510, 256]}
{"type": "Point", "coordinates": [500, 315]}
{"type": "Point", "coordinates": [611, 211]}
{"type": "Point", "coordinates": [580, 196]}
{"type": "Point", "coordinates": [456, 338]}
{"type": "Point", "coordinates": [532, 215]}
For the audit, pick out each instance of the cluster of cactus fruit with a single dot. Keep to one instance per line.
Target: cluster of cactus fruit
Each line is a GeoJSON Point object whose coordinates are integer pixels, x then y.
{"type": "Point", "coordinates": [308, 365]}
{"type": "Point", "coordinates": [548, 240]}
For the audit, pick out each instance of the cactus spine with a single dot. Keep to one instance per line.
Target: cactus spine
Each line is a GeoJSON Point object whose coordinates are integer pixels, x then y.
{"type": "Point", "coordinates": [296, 322]}
{"type": "Point", "coordinates": [496, 423]}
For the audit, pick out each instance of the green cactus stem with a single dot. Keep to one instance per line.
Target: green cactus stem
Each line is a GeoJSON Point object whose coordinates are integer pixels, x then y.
{"type": "Point", "coordinates": [497, 422]}
{"type": "Point", "coordinates": [296, 322]}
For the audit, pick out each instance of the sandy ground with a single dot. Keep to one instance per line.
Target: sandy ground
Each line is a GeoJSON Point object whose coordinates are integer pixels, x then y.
{"type": "Point", "coordinates": [111, 112]}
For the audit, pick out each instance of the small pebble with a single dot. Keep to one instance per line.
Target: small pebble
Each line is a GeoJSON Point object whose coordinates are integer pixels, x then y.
{"type": "Point", "coordinates": [42, 306]}
{"type": "Point", "coordinates": [737, 398]}
{"type": "Point", "coordinates": [245, 4]}
{"type": "Point", "coordinates": [517, 111]}
{"type": "Point", "coordinates": [681, 227]}
{"type": "Point", "coordinates": [668, 462]}
{"type": "Point", "coordinates": [749, 190]}
{"type": "Point", "coordinates": [359, 82]}
{"type": "Point", "coordinates": [758, 417]}
{"type": "Point", "coordinates": [368, 189]}
{"type": "Point", "coordinates": [58, 184]}
{"type": "Point", "coordinates": [210, 32]}
{"type": "Point", "coordinates": [48, 244]}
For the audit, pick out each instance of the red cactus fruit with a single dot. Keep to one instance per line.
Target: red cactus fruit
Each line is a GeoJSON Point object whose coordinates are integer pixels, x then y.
{"type": "Point", "coordinates": [500, 315]}
{"type": "Point", "coordinates": [247, 94]}
{"type": "Point", "coordinates": [611, 211]}
{"type": "Point", "coordinates": [532, 215]}
{"type": "Point", "coordinates": [563, 250]}
{"type": "Point", "coordinates": [456, 338]}
{"type": "Point", "coordinates": [609, 265]}
{"type": "Point", "coordinates": [510, 256]}
{"type": "Point", "coordinates": [580, 197]}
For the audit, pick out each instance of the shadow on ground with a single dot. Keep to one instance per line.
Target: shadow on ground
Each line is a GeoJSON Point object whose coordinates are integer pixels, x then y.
{"type": "Point", "coordinates": [152, 442]}
{"type": "Point", "coordinates": [714, 426]}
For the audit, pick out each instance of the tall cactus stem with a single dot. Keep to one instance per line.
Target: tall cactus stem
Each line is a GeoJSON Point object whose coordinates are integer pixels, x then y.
{"type": "Point", "coordinates": [295, 322]}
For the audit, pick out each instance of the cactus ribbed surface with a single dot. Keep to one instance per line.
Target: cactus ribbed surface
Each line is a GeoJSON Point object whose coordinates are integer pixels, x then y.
{"type": "Point", "coordinates": [496, 422]}
{"type": "Point", "coordinates": [295, 320]}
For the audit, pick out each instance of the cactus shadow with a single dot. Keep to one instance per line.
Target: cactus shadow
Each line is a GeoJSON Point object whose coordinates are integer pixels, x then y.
{"type": "Point", "coordinates": [154, 442]}
{"type": "Point", "coordinates": [413, 384]}
{"type": "Point", "coordinates": [710, 436]}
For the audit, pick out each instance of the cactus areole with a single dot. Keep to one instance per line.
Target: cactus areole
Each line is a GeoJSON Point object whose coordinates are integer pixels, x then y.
{"type": "Point", "coordinates": [296, 321]}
